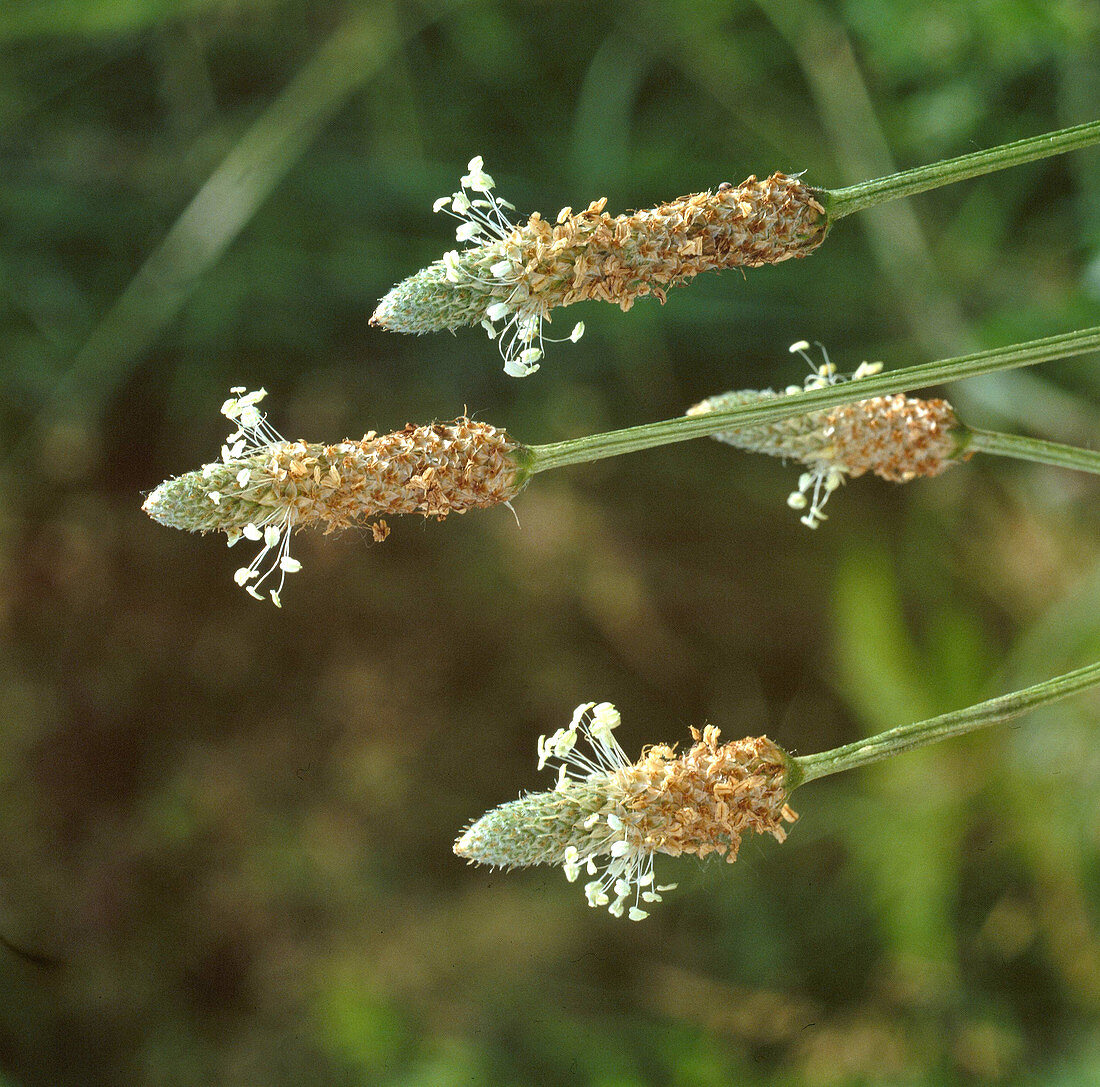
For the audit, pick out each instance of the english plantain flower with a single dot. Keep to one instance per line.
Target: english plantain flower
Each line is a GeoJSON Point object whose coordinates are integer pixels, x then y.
{"type": "Point", "coordinates": [608, 816]}
{"type": "Point", "coordinates": [896, 437]}
{"type": "Point", "coordinates": [264, 487]}
{"type": "Point", "coordinates": [510, 277]}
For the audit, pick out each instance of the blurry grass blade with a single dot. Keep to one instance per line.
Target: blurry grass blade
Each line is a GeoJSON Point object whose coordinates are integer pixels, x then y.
{"type": "Point", "coordinates": [222, 208]}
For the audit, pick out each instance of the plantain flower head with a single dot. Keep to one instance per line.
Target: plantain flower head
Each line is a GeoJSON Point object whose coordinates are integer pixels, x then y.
{"type": "Point", "coordinates": [264, 487]}
{"type": "Point", "coordinates": [509, 278]}
{"type": "Point", "coordinates": [608, 816]}
{"type": "Point", "coordinates": [898, 438]}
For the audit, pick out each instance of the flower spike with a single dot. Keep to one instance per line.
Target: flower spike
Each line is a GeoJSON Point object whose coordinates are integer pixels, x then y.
{"type": "Point", "coordinates": [896, 437]}
{"type": "Point", "coordinates": [608, 816]}
{"type": "Point", "coordinates": [515, 276]}
{"type": "Point", "coordinates": [264, 487]}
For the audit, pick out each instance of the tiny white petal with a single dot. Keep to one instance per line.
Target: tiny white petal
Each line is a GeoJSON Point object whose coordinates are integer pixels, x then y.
{"type": "Point", "coordinates": [477, 179]}
{"type": "Point", "coordinates": [619, 849]}
{"type": "Point", "coordinates": [579, 713]}
{"type": "Point", "coordinates": [565, 742]}
{"type": "Point", "coordinates": [243, 477]}
{"type": "Point", "coordinates": [289, 565]}
{"type": "Point", "coordinates": [489, 330]}
{"type": "Point", "coordinates": [866, 369]}
{"type": "Point", "coordinates": [571, 863]}
{"type": "Point", "coordinates": [215, 497]}
{"type": "Point", "coordinates": [605, 716]}
{"type": "Point", "coordinates": [460, 202]}
{"type": "Point", "coordinates": [450, 262]}
{"type": "Point", "coordinates": [515, 368]}
{"type": "Point", "coordinates": [243, 574]}
{"type": "Point", "coordinates": [271, 535]}
{"type": "Point", "coordinates": [467, 231]}
{"type": "Point", "coordinates": [636, 914]}
{"type": "Point", "coordinates": [497, 311]}
{"type": "Point", "coordinates": [530, 356]}
{"type": "Point", "coordinates": [251, 532]}
{"type": "Point", "coordinates": [502, 268]}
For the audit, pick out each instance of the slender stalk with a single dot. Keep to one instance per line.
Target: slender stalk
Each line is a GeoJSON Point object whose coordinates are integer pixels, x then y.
{"type": "Point", "coordinates": [1034, 449]}
{"type": "Point", "coordinates": [841, 202]}
{"type": "Point", "coordinates": [597, 446]}
{"type": "Point", "coordinates": [896, 741]}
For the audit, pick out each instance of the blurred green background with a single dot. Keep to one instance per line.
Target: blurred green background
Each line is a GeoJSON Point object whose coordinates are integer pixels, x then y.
{"type": "Point", "coordinates": [225, 831]}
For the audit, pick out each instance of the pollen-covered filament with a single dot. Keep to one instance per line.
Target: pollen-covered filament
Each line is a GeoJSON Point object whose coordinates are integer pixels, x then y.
{"type": "Point", "coordinates": [611, 851]}
{"type": "Point", "coordinates": [608, 816]}
{"type": "Point", "coordinates": [497, 274]}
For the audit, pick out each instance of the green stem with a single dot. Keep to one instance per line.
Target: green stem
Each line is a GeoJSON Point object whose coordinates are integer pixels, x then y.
{"type": "Point", "coordinates": [1033, 449]}
{"type": "Point", "coordinates": [597, 446]}
{"type": "Point", "coordinates": [896, 741]}
{"type": "Point", "coordinates": [841, 202]}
